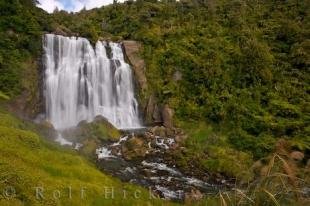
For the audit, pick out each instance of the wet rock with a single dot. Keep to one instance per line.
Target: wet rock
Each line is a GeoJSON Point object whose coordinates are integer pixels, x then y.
{"type": "Point", "coordinates": [115, 150]}
{"type": "Point", "coordinates": [100, 118]}
{"type": "Point", "coordinates": [193, 195]}
{"type": "Point", "coordinates": [152, 111]}
{"type": "Point", "coordinates": [149, 136]}
{"type": "Point", "coordinates": [134, 148]}
{"type": "Point", "coordinates": [132, 50]}
{"type": "Point", "coordinates": [170, 132]}
{"type": "Point", "coordinates": [147, 173]}
{"type": "Point", "coordinates": [157, 118]}
{"type": "Point", "coordinates": [47, 129]}
{"type": "Point", "coordinates": [297, 156]}
{"type": "Point", "coordinates": [47, 124]}
{"type": "Point", "coordinates": [99, 129]}
{"type": "Point", "coordinates": [159, 131]}
{"type": "Point", "coordinates": [167, 114]}
{"type": "Point", "coordinates": [153, 129]}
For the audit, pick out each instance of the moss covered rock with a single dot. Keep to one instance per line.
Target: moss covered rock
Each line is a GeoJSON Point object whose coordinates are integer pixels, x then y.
{"type": "Point", "coordinates": [134, 148]}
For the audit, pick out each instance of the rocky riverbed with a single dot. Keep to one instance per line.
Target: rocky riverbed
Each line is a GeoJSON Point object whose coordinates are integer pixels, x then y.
{"type": "Point", "coordinates": [142, 157]}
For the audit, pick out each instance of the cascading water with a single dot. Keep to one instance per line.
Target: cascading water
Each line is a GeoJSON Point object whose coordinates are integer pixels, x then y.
{"type": "Point", "coordinates": [82, 82]}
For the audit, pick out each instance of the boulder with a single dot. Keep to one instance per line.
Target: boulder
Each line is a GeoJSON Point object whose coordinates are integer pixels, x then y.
{"type": "Point", "coordinates": [132, 50]}
{"type": "Point", "coordinates": [47, 124]}
{"type": "Point", "coordinates": [134, 148]}
{"type": "Point", "coordinates": [158, 131]}
{"type": "Point", "coordinates": [170, 132]}
{"type": "Point", "coordinates": [47, 129]}
{"type": "Point", "coordinates": [157, 118]}
{"type": "Point", "coordinates": [99, 129]}
{"type": "Point", "coordinates": [167, 114]}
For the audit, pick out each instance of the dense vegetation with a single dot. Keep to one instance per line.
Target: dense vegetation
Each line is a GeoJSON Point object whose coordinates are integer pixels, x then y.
{"type": "Point", "coordinates": [244, 66]}
{"type": "Point", "coordinates": [20, 33]}
{"type": "Point", "coordinates": [236, 72]}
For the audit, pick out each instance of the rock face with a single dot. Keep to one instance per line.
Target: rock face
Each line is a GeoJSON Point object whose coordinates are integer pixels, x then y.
{"type": "Point", "coordinates": [152, 112]}
{"type": "Point", "coordinates": [167, 114]}
{"type": "Point", "coordinates": [132, 49]}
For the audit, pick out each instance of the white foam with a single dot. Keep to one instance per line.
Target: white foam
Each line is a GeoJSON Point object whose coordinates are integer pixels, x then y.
{"type": "Point", "coordinates": [78, 146]}
{"type": "Point", "coordinates": [161, 142]}
{"type": "Point", "coordinates": [103, 153]}
{"type": "Point", "coordinates": [122, 139]}
{"type": "Point", "coordinates": [62, 141]}
{"type": "Point", "coordinates": [160, 166]}
{"type": "Point", "coordinates": [196, 182]}
{"type": "Point", "coordinates": [169, 194]}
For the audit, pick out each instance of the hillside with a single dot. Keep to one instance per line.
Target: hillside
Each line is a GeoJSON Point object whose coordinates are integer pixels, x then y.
{"type": "Point", "coordinates": [235, 75]}
{"type": "Point", "coordinates": [243, 66]}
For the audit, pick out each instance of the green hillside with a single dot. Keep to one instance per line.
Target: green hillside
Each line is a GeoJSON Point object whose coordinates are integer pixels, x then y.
{"type": "Point", "coordinates": [235, 72]}
{"type": "Point", "coordinates": [244, 68]}
{"type": "Point", "coordinates": [34, 171]}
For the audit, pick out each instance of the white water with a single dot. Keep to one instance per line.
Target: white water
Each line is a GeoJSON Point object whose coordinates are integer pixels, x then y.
{"type": "Point", "coordinates": [82, 82]}
{"type": "Point", "coordinates": [103, 153]}
{"type": "Point", "coordinates": [160, 166]}
{"type": "Point", "coordinates": [62, 141]}
{"type": "Point", "coordinates": [122, 139]}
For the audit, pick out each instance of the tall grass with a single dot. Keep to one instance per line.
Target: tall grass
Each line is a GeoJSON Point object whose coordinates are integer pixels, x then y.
{"type": "Point", "coordinates": [278, 184]}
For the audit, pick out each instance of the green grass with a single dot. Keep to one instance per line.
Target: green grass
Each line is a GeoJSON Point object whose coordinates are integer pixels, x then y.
{"type": "Point", "coordinates": [4, 96]}
{"type": "Point", "coordinates": [28, 161]}
{"type": "Point", "coordinates": [212, 152]}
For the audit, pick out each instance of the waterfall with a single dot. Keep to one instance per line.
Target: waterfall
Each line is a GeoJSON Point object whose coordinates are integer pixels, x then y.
{"type": "Point", "coordinates": [81, 82]}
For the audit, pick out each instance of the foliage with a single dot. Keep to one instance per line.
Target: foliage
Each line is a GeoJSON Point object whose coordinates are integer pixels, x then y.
{"type": "Point", "coordinates": [244, 67]}
{"type": "Point", "coordinates": [280, 183]}
{"type": "Point", "coordinates": [21, 27]}
{"type": "Point", "coordinates": [4, 96]}
{"type": "Point", "coordinates": [243, 63]}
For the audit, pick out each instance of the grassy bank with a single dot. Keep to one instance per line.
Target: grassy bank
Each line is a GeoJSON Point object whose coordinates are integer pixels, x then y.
{"type": "Point", "coordinates": [29, 161]}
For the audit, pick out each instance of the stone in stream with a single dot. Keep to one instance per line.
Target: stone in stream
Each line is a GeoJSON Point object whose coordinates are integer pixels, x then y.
{"type": "Point", "coordinates": [158, 131]}
{"type": "Point", "coordinates": [134, 148]}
